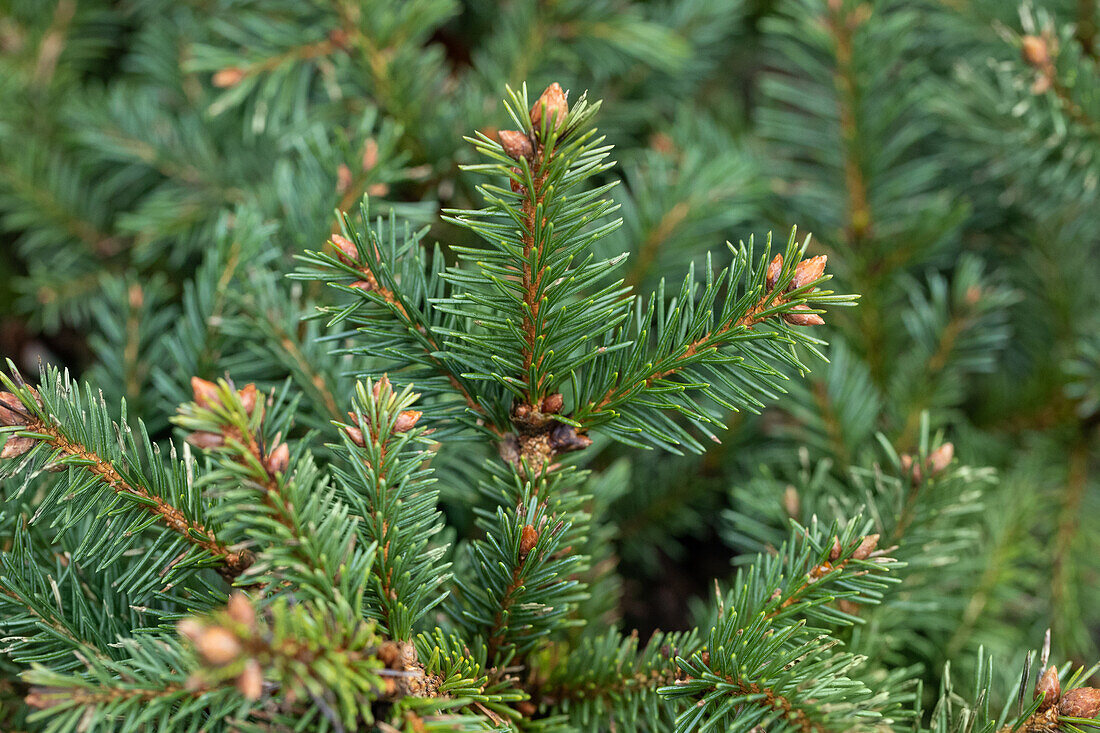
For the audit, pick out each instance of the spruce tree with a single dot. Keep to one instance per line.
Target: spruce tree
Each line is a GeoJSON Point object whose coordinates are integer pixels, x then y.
{"type": "Point", "coordinates": [477, 451]}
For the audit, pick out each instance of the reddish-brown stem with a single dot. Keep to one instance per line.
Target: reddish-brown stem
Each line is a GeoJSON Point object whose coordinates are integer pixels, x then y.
{"type": "Point", "coordinates": [779, 703]}
{"type": "Point", "coordinates": [234, 563]}
{"type": "Point", "coordinates": [532, 280]}
{"type": "Point", "coordinates": [859, 210]}
{"type": "Point", "coordinates": [496, 634]}
{"type": "Point", "coordinates": [748, 320]}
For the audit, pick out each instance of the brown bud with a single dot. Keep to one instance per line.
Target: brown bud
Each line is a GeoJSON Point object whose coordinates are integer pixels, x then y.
{"type": "Point", "coordinates": [366, 285]}
{"type": "Point", "coordinates": [663, 143]}
{"type": "Point", "coordinates": [370, 154]}
{"type": "Point", "coordinates": [339, 37]}
{"type": "Point", "coordinates": [517, 187]}
{"type": "Point", "coordinates": [1049, 688]}
{"type": "Point", "coordinates": [11, 410]}
{"type": "Point", "coordinates": [516, 145]}
{"type": "Point", "coordinates": [1084, 702]}
{"type": "Point", "coordinates": [278, 459]}
{"type": "Point", "coordinates": [800, 316]}
{"type": "Point", "coordinates": [552, 403]}
{"type": "Point", "coordinates": [775, 268]}
{"type": "Point", "coordinates": [44, 698]}
{"type": "Point", "coordinates": [248, 398]}
{"type": "Point", "coordinates": [205, 440]}
{"type": "Point", "coordinates": [1042, 84]}
{"type": "Point", "coordinates": [382, 385]}
{"type": "Point", "coordinates": [552, 105]}
{"type": "Point", "coordinates": [16, 447]}
{"type": "Point", "coordinates": [240, 609]}
{"type": "Point", "coordinates": [792, 502]}
{"type": "Point", "coordinates": [527, 708]}
{"type": "Point", "coordinates": [228, 77]}
{"type": "Point", "coordinates": [206, 393]}
{"type": "Point", "coordinates": [808, 271]}
{"type": "Point", "coordinates": [835, 550]}
{"type": "Point", "coordinates": [564, 438]}
{"type": "Point", "coordinates": [251, 681]}
{"type": "Point", "coordinates": [910, 467]}
{"type": "Point", "coordinates": [343, 178]}
{"type": "Point", "coordinates": [190, 629]}
{"type": "Point", "coordinates": [529, 537]}
{"type": "Point", "coordinates": [866, 547]}
{"type": "Point", "coordinates": [356, 435]}
{"type": "Point", "coordinates": [218, 645]}
{"type": "Point", "coordinates": [406, 421]}
{"type": "Point", "coordinates": [389, 654]}
{"type": "Point", "coordinates": [940, 458]}
{"type": "Point", "coordinates": [1035, 51]}
{"type": "Point", "coordinates": [345, 249]}
{"type": "Point", "coordinates": [525, 415]}
{"type": "Point", "coordinates": [705, 658]}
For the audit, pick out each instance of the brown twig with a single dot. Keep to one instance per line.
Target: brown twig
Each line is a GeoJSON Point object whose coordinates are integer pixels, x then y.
{"type": "Point", "coordinates": [233, 563]}
{"type": "Point", "coordinates": [859, 210]}
{"type": "Point", "coordinates": [532, 281]}
{"type": "Point", "coordinates": [750, 319]}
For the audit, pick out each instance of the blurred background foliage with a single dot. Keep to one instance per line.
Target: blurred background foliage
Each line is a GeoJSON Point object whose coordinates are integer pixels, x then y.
{"type": "Point", "coordinates": [161, 161]}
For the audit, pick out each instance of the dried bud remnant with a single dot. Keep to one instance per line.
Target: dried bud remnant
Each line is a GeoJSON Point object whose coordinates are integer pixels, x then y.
{"type": "Point", "coordinates": [205, 392]}
{"type": "Point", "coordinates": [529, 537]}
{"type": "Point", "coordinates": [248, 398]}
{"type": "Point", "coordinates": [406, 421]}
{"type": "Point", "coordinates": [552, 403]}
{"type": "Point", "coordinates": [909, 467]}
{"type": "Point", "coordinates": [775, 268]}
{"type": "Point", "coordinates": [205, 440]}
{"type": "Point", "coordinates": [228, 77]}
{"type": "Point", "coordinates": [345, 249]}
{"type": "Point", "coordinates": [356, 435]}
{"type": "Point", "coordinates": [217, 645]}
{"type": "Point", "coordinates": [343, 178]}
{"type": "Point", "coordinates": [251, 681]}
{"type": "Point", "coordinates": [278, 460]}
{"type": "Point", "coordinates": [551, 105]}
{"type": "Point", "coordinates": [564, 438]}
{"type": "Point", "coordinates": [835, 550]}
{"type": "Point", "coordinates": [1084, 702]}
{"type": "Point", "coordinates": [800, 315]}
{"type": "Point", "coordinates": [381, 386]}
{"type": "Point", "coordinates": [12, 411]}
{"type": "Point", "coordinates": [16, 447]}
{"type": "Point", "coordinates": [808, 271]}
{"type": "Point", "coordinates": [1035, 51]}
{"type": "Point", "coordinates": [1049, 687]}
{"type": "Point", "coordinates": [516, 145]}
{"type": "Point", "coordinates": [240, 609]}
{"type": "Point", "coordinates": [792, 502]}
{"type": "Point", "coordinates": [866, 547]}
{"type": "Point", "coordinates": [940, 458]}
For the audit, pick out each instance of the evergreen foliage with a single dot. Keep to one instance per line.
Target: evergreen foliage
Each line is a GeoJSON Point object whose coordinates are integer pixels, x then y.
{"type": "Point", "coordinates": [451, 458]}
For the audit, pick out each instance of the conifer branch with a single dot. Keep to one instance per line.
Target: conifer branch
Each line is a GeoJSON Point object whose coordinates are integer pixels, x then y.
{"type": "Point", "coordinates": [374, 285]}
{"type": "Point", "coordinates": [39, 428]}
{"type": "Point", "coordinates": [705, 343]}
{"type": "Point", "coordinates": [303, 534]}
{"type": "Point", "coordinates": [842, 24]}
{"type": "Point", "coordinates": [389, 484]}
{"type": "Point", "coordinates": [170, 516]}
